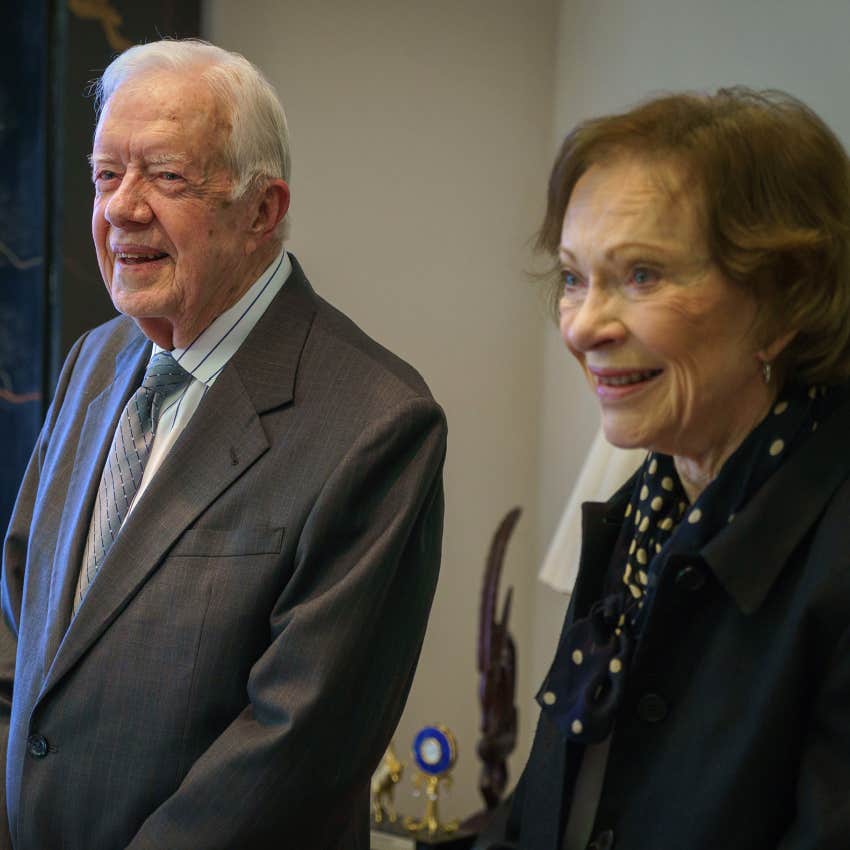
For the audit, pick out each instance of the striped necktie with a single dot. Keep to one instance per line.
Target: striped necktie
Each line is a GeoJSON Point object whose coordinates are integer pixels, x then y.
{"type": "Point", "coordinates": [125, 464]}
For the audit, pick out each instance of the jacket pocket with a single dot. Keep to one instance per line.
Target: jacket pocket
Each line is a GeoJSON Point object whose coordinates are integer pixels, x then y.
{"type": "Point", "coordinates": [227, 542]}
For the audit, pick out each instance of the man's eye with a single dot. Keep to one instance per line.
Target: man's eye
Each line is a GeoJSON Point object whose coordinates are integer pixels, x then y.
{"type": "Point", "coordinates": [169, 176]}
{"type": "Point", "coordinates": [104, 174]}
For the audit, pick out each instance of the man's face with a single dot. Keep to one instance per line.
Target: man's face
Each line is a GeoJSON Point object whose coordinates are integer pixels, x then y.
{"type": "Point", "coordinates": [173, 249]}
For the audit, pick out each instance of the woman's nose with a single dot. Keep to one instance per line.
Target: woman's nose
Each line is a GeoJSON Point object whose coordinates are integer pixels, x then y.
{"type": "Point", "coordinates": [591, 320]}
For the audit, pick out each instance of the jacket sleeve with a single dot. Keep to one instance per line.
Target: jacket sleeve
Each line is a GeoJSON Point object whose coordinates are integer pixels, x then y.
{"type": "Point", "coordinates": [14, 567]}
{"type": "Point", "coordinates": [324, 698]}
{"type": "Point", "coordinates": [822, 820]}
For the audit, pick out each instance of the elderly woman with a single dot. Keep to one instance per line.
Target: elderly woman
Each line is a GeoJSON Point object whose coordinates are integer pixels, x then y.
{"type": "Point", "coordinates": [700, 694]}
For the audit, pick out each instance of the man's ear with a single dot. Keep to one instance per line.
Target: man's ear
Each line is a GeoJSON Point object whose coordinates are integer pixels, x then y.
{"type": "Point", "coordinates": [769, 352]}
{"type": "Point", "coordinates": [267, 209]}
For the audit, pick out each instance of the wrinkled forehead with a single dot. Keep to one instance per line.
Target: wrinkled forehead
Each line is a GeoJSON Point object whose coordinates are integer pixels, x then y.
{"type": "Point", "coordinates": [629, 199]}
{"type": "Point", "coordinates": [651, 192]}
{"type": "Point", "coordinates": [183, 105]}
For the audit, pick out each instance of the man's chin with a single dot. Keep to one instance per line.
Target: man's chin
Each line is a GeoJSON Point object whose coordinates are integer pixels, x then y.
{"type": "Point", "coordinates": [140, 302]}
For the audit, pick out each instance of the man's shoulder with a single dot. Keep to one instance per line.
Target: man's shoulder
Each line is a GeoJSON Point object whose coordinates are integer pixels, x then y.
{"type": "Point", "coordinates": [110, 339]}
{"type": "Point", "coordinates": [338, 352]}
{"type": "Point", "coordinates": [364, 355]}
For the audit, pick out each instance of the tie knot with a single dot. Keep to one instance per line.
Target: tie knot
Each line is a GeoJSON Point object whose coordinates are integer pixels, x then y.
{"type": "Point", "coordinates": [164, 374]}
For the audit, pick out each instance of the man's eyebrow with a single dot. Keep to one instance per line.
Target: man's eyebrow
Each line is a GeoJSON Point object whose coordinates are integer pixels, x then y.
{"type": "Point", "coordinates": [166, 158]}
{"type": "Point", "coordinates": [156, 159]}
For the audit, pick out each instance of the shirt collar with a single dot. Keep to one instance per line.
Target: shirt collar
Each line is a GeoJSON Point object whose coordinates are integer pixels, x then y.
{"type": "Point", "coordinates": [210, 351]}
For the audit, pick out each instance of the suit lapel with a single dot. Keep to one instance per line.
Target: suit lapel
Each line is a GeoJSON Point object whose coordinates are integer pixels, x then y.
{"type": "Point", "coordinates": [93, 443]}
{"type": "Point", "coordinates": [223, 438]}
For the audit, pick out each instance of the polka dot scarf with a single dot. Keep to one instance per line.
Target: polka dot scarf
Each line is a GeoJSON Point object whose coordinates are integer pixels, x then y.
{"type": "Point", "coordinates": [587, 680]}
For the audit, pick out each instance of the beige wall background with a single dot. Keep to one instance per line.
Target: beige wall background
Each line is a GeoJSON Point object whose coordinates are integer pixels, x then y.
{"type": "Point", "coordinates": [422, 137]}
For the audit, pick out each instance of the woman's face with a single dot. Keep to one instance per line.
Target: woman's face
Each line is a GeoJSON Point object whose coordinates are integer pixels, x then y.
{"type": "Point", "coordinates": [664, 338]}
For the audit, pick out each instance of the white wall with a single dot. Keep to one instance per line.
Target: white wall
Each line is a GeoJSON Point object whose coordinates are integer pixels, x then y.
{"type": "Point", "coordinates": [420, 149]}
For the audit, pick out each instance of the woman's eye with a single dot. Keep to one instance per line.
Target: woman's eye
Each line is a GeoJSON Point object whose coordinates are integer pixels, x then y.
{"type": "Point", "coordinates": [169, 176]}
{"type": "Point", "coordinates": [570, 279]}
{"type": "Point", "coordinates": [643, 275]}
{"type": "Point", "coordinates": [104, 174]}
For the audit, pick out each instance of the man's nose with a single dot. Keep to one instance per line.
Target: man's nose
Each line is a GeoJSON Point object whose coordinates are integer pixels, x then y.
{"type": "Point", "coordinates": [128, 204]}
{"type": "Point", "coordinates": [595, 320]}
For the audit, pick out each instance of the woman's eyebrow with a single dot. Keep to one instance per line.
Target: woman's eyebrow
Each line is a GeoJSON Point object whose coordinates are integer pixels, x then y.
{"type": "Point", "coordinates": [622, 248]}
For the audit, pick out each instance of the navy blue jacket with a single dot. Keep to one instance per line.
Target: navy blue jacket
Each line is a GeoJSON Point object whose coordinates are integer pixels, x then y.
{"type": "Point", "coordinates": [735, 727]}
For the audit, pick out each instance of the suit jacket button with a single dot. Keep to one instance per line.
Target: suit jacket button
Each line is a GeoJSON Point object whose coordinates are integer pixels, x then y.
{"type": "Point", "coordinates": [37, 746]}
{"type": "Point", "coordinates": [603, 841]}
{"type": "Point", "coordinates": [652, 708]}
{"type": "Point", "coordinates": [690, 578]}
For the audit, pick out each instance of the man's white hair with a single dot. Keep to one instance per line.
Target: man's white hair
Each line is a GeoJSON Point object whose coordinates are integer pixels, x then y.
{"type": "Point", "coordinates": [258, 146]}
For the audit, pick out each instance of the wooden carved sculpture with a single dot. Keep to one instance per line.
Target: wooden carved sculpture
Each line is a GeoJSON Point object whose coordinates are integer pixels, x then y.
{"type": "Point", "coordinates": [497, 669]}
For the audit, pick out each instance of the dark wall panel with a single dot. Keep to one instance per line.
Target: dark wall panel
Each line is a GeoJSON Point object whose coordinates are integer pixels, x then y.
{"type": "Point", "coordinates": [23, 240]}
{"type": "Point", "coordinates": [92, 42]}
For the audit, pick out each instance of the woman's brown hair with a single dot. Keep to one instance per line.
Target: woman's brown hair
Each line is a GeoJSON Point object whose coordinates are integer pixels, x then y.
{"type": "Point", "coordinates": [774, 185]}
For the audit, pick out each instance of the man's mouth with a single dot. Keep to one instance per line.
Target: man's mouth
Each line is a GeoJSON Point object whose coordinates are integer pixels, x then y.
{"type": "Point", "coordinates": [134, 258]}
{"type": "Point", "coordinates": [622, 379]}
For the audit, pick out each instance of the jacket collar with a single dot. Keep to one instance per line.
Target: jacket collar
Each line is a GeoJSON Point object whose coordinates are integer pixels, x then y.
{"type": "Point", "coordinates": [749, 554]}
{"type": "Point", "coordinates": [267, 362]}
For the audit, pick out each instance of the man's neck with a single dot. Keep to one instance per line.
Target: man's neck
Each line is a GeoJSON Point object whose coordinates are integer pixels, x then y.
{"type": "Point", "coordinates": [169, 334]}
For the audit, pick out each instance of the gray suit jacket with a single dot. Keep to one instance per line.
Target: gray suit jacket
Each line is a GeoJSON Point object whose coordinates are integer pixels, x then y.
{"type": "Point", "coordinates": [238, 666]}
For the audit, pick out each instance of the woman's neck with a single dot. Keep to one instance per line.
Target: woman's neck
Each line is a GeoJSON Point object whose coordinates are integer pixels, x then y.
{"type": "Point", "coordinates": [696, 472]}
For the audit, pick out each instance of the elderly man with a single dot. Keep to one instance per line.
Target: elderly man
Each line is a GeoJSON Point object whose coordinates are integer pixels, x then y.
{"type": "Point", "coordinates": [219, 569]}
